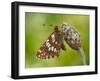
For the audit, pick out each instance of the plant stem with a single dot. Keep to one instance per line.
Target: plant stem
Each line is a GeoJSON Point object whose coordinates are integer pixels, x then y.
{"type": "Point", "coordinates": [82, 54]}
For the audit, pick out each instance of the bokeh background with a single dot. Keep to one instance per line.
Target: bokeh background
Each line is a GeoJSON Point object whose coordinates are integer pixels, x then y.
{"type": "Point", "coordinates": [38, 26]}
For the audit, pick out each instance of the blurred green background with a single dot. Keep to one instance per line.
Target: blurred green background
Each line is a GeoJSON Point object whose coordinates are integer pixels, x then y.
{"type": "Point", "coordinates": [38, 28]}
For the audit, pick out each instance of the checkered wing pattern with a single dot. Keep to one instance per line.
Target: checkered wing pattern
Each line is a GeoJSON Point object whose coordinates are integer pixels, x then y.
{"type": "Point", "coordinates": [51, 46]}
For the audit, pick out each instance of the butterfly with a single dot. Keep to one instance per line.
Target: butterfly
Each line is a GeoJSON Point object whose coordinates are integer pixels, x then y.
{"type": "Point", "coordinates": [52, 46]}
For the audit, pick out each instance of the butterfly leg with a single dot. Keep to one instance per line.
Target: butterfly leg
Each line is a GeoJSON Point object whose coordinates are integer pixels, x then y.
{"type": "Point", "coordinates": [63, 47]}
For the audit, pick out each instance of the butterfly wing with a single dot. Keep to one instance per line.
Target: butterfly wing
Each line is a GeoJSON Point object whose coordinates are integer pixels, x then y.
{"type": "Point", "coordinates": [49, 49]}
{"type": "Point", "coordinates": [51, 46]}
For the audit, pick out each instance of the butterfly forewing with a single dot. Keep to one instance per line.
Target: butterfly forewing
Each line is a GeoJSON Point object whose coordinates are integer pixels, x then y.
{"type": "Point", "coordinates": [50, 48]}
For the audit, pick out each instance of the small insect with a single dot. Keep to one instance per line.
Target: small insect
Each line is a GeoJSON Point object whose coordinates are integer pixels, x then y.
{"type": "Point", "coordinates": [52, 45]}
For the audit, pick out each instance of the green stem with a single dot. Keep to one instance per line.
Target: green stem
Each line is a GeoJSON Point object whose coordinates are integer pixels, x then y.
{"type": "Point", "coordinates": [82, 54]}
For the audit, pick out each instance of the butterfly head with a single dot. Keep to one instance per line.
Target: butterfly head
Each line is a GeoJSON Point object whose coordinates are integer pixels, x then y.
{"type": "Point", "coordinates": [56, 28]}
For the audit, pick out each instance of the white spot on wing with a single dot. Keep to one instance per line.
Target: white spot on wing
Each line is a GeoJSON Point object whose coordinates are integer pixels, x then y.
{"type": "Point", "coordinates": [39, 55]}
{"type": "Point", "coordinates": [53, 38]}
{"type": "Point", "coordinates": [55, 50]}
{"type": "Point", "coordinates": [56, 42]}
{"type": "Point", "coordinates": [49, 49]}
{"type": "Point", "coordinates": [47, 43]}
{"type": "Point", "coordinates": [43, 54]}
{"type": "Point", "coordinates": [52, 35]}
{"type": "Point", "coordinates": [52, 48]}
